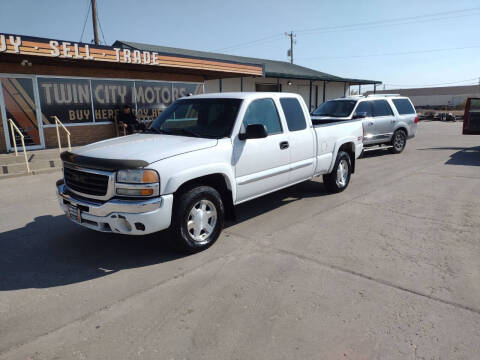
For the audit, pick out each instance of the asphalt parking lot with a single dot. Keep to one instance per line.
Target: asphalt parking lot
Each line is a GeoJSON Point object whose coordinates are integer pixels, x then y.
{"type": "Point", "coordinates": [388, 269]}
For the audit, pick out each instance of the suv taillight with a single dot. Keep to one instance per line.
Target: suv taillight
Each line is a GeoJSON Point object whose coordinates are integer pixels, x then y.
{"type": "Point", "coordinates": [416, 119]}
{"type": "Point", "coordinates": [363, 128]}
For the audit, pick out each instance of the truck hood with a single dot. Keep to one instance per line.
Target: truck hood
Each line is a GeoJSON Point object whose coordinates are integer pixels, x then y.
{"type": "Point", "coordinates": [146, 147]}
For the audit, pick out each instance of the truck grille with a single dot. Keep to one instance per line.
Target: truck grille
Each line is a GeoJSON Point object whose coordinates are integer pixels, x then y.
{"type": "Point", "coordinates": [86, 182]}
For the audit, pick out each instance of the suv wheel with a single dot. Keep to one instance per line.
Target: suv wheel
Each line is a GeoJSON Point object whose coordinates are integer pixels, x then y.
{"type": "Point", "coordinates": [197, 219]}
{"type": "Point", "coordinates": [399, 141]}
{"type": "Point", "coordinates": [338, 179]}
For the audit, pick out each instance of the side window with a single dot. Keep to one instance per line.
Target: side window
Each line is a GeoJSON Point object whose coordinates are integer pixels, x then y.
{"type": "Point", "coordinates": [381, 108]}
{"type": "Point", "coordinates": [294, 114]}
{"type": "Point", "coordinates": [403, 106]}
{"type": "Point", "coordinates": [263, 111]}
{"type": "Point", "coordinates": [364, 107]}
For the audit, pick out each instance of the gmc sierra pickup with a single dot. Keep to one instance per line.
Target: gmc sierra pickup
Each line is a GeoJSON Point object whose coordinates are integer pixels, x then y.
{"type": "Point", "coordinates": [202, 156]}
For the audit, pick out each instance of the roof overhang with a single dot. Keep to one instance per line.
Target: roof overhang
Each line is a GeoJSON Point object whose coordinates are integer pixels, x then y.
{"type": "Point", "coordinates": [52, 51]}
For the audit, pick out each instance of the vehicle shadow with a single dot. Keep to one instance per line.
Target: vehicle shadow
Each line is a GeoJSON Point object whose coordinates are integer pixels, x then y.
{"type": "Point", "coordinates": [278, 199]}
{"type": "Point", "coordinates": [52, 251]}
{"type": "Point", "coordinates": [468, 157]}
{"type": "Point", "coordinates": [465, 156]}
{"type": "Point", "coordinates": [375, 153]}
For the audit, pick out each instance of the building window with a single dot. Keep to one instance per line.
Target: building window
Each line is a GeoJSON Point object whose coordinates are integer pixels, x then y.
{"type": "Point", "coordinates": [110, 96]}
{"type": "Point", "coordinates": [68, 99]}
{"type": "Point", "coordinates": [268, 87]}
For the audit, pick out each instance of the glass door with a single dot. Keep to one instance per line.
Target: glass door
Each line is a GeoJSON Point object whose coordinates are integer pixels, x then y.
{"type": "Point", "coordinates": [18, 101]}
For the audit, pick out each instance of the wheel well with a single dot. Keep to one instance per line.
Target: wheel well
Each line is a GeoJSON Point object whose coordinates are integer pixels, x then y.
{"type": "Point", "coordinates": [219, 183]}
{"type": "Point", "coordinates": [402, 128]}
{"type": "Point", "coordinates": [349, 148]}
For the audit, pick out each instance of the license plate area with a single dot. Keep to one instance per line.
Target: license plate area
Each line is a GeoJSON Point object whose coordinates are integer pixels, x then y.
{"type": "Point", "coordinates": [74, 213]}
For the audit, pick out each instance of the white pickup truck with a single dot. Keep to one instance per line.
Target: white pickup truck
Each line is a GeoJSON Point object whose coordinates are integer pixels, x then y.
{"type": "Point", "coordinates": [202, 156]}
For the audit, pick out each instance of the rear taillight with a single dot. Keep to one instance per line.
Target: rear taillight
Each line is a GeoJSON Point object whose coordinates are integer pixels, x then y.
{"type": "Point", "coordinates": [416, 119]}
{"type": "Point", "coordinates": [363, 129]}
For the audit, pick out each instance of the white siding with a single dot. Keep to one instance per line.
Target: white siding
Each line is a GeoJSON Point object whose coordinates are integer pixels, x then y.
{"type": "Point", "coordinates": [301, 87]}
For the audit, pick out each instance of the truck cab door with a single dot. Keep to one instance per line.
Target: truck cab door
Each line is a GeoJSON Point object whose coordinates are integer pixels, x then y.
{"type": "Point", "coordinates": [261, 164]}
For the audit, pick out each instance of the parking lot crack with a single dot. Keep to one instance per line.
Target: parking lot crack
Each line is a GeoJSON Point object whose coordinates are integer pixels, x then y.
{"type": "Point", "coordinates": [376, 280]}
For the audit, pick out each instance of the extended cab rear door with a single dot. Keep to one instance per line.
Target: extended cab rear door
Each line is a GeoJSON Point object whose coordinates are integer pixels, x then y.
{"type": "Point", "coordinates": [301, 139]}
{"type": "Point", "coordinates": [471, 120]}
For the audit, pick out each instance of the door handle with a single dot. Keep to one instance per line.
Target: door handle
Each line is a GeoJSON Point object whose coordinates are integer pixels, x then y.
{"type": "Point", "coordinates": [284, 145]}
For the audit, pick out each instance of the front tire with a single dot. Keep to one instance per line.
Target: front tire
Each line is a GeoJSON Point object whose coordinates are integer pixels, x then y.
{"type": "Point", "coordinates": [339, 178]}
{"type": "Point", "coordinates": [399, 141]}
{"type": "Point", "coordinates": [197, 219]}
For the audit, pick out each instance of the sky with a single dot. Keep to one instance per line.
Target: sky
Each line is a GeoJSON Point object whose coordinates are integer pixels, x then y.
{"type": "Point", "coordinates": [401, 43]}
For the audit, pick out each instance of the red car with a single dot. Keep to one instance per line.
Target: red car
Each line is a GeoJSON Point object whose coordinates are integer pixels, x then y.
{"type": "Point", "coordinates": [471, 122]}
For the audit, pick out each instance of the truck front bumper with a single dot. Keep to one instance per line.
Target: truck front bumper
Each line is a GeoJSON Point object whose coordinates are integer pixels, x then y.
{"type": "Point", "coordinates": [130, 217]}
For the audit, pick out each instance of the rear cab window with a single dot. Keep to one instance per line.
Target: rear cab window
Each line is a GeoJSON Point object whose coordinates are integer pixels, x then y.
{"type": "Point", "coordinates": [293, 114]}
{"type": "Point", "coordinates": [404, 106]}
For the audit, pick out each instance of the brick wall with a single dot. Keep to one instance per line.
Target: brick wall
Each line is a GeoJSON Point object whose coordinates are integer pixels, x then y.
{"type": "Point", "coordinates": [79, 135]}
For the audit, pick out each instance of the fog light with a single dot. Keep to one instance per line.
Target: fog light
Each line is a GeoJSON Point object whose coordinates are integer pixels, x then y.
{"type": "Point", "coordinates": [134, 192]}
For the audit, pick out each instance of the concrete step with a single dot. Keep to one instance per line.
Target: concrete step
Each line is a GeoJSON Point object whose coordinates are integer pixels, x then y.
{"type": "Point", "coordinates": [40, 161]}
{"type": "Point", "coordinates": [33, 172]}
{"type": "Point", "coordinates": [36, 165]}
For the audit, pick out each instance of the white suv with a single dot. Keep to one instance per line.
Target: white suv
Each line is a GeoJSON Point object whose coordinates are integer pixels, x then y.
{"type": "Point", "coordinates": [387, 119]}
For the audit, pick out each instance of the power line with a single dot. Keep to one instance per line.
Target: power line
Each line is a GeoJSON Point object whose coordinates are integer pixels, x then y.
{"type": "Point", "coordinates": [247, 43]}
{"type": "Point", "coordinates": [391, 54]}
{"type": "Point", "coordinates": [437, 84]}
{"type": "Point", "coordinates": [86, 18]}
{"type": "Point", "coordinates": [101, 30]}
{"type": "Point", "coordinates": [364, 26]}
{"type": "Point", "coordinates": [392, 21]}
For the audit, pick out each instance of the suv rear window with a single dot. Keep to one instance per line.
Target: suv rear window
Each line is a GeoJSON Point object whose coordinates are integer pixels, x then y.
{"type": "Point", "coordinates": [293, 113]}
{"type": "Point", "coordinates": [381, 108]}
{"type": "Point", "coordinates": [403, 106]}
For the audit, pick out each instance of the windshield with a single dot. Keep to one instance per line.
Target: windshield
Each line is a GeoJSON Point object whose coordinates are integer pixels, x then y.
{"type": "Point", "coordinates": [206, 118]}
{"type": "Point", "coordinates": [335, 108]}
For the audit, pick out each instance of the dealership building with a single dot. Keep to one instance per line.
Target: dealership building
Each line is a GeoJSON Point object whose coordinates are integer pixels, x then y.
{"type": "Point", "coordinates": [85, 86]}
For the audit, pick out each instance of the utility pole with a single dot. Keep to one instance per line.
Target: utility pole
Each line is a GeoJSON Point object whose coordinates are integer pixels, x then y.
{"type": "Point", "coordinates": [292, 36]}
{"type": "Point", "coordinates": [94, 21]}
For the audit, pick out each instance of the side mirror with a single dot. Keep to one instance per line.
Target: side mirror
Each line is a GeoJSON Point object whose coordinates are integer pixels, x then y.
{"type": "Point", "coordinates": [254, 131]}
{"type": "Point", "coordinates": [360, 115]}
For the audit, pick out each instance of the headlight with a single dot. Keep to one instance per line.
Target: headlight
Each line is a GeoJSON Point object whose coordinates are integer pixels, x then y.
{"type": "Point", "coordinates": [137, 176]}
{"type": "Point", "coordinates": [137, 182]}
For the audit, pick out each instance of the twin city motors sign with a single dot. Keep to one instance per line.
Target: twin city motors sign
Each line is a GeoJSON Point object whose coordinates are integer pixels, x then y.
{"type": "Point", "coordinates": [24, 45]}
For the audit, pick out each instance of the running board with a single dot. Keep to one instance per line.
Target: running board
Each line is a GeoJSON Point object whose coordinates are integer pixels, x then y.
{"type": "Point", "coordinates": [375, 147]}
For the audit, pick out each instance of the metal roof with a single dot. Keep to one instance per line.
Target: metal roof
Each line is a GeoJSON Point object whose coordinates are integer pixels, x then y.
{"type": "Point", "coordinates": [429, 91]}
{"type": "Point", "coordinates": [272, 68]}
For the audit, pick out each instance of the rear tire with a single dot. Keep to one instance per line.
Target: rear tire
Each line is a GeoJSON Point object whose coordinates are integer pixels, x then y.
{"type": "Point", "coordinates": [339, 178]}
{"type": "Point", "coordinates": [197, 219]}
{"type": "Point", "coordinates": [399, 141]}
